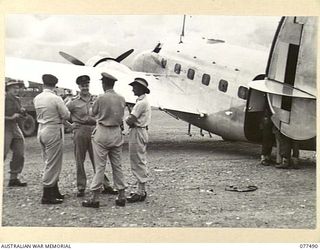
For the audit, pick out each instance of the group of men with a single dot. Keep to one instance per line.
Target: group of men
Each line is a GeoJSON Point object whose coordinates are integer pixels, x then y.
{"type": "Point", "coordinates": [97, 125]}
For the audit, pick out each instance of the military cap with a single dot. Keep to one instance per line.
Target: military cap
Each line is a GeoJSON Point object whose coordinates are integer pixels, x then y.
{"type": "Point", "coordinates": [142, 82]}
{"type": "Point", "coordinates": [108, 76]}
{"type": "Point", "coordinates": [13, 82]}
{"type": "Point", "coordinates": [49, 80]}
{"type": "Point", "coordinates": [82, 79]}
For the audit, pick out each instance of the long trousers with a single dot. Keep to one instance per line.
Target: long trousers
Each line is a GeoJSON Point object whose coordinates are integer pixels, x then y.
{"type": "Point", "coordinates": [286, 145]}
{"type": "Point", "coordinates": [267, 137]}
{"type": "Point", "coordinates": [82, 145]}
{"type": "Point", "coordinates": [51, 138]}
{"type": "Point", "coordinates": [14, 140]}
{"type": "Point", "coordinates": [107, 142]}
{"type": "Point", "coordinates": [138, 139]}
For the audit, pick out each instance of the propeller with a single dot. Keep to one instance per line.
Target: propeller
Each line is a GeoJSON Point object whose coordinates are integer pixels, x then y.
{"type": "Point", "coordinates": [118, 59]}
{"type": "Point", "coordinates": [124, 55]}
{"type": "Point", "coordinates": [75, 61]}
{"type": "Point", "coordinates": [71, 59]}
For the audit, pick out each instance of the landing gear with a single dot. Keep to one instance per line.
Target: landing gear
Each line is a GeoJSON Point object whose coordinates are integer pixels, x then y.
{"type": "Point", "coordinates": [189, 130]}
{"type": "Point", "coordinates": [201, 131]}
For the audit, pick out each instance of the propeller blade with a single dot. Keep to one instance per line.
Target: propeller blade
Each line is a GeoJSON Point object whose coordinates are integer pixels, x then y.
{"type": "Point", "coordinates": [124, 55]}
{"type": "Point", "coordinates": [103, 60]}
{"type": "Point", "coordinates": [71, 59]}
{"type": "Point", "coordinates": [118, 59]}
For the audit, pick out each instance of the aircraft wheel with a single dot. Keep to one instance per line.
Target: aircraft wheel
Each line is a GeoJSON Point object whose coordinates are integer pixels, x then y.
{"type": "Point", "coordinates": [28, 126]}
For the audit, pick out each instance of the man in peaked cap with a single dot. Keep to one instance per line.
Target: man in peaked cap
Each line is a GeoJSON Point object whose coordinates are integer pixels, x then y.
{"type": "Point", "coordinates": [138, 121]}
{"type": "Point", "coordinates": [107, 141]}
{"type": "Point", "coordinates": [51, 114]}
{"type": "Point", "coordinates": [14, 139]}
{"type": "Point", "coordinates": [49, 80]}
{"type": "Point", "coordinates": [83, 125]}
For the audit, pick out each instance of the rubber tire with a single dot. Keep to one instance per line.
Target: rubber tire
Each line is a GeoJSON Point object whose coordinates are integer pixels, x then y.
{"type": "Point", "coordinates": [28, 126]}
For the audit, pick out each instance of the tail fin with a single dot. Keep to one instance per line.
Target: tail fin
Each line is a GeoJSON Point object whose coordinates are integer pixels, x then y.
{"type": "Point", "coordinates": [291, 77]}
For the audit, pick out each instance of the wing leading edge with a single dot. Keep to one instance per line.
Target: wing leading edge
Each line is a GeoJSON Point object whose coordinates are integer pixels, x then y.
{"type": "Point", "coordinates": [164, 94]}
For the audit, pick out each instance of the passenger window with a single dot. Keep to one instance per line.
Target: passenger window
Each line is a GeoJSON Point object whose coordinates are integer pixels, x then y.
{"type": "Point", "coordinates": [177, 68]}
{"type": "Point", "coordinates": [205, 79]}
{"type": "Point", "coordinates": [223, 85]}
{"type": "Point", "coordinates": [243, 92]}
{"type": "Point", "coordinates": [190, 74]}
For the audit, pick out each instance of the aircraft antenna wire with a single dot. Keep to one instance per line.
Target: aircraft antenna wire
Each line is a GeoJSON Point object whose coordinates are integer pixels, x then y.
{"type": "Point", "coordinates": [183, 26]}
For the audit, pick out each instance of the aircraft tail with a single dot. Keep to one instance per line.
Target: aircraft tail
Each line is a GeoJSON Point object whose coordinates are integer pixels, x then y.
{"type": "Point", "coordinates": [290, 81]}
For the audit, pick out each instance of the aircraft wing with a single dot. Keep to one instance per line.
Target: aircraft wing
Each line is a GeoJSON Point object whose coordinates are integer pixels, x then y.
{"type": "Point", "coordinates": [164, 94]}
{"type": "Point", "coordinates": [32, 70]}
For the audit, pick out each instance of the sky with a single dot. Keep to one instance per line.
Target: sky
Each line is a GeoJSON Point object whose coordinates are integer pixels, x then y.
{"type": "Point", "coordinates": [84, 36]}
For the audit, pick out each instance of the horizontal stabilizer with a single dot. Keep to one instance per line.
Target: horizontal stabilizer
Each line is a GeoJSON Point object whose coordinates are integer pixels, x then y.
{"type": "Point", "coordinates": [277, 88]}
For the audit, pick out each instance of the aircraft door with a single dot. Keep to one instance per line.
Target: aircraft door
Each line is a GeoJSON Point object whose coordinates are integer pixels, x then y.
{"type": "Point", "coordinates": [256, 104]}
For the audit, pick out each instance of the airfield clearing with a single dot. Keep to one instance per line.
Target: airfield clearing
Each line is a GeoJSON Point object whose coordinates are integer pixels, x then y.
{"type": "Point", "coordinates": [188, 177]}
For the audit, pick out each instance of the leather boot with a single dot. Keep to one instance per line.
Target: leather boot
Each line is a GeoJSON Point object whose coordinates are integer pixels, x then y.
{"type": "Point", "coordinates": [285, 163]}
{"type": "Point", "coordinates": [121, 200]}
{"type": "Point", "coordinates": [58, 195]}
{"type": "Point", "coordinates": [49, 196]}
{"type": "Point", "coordinates": [93, 201]}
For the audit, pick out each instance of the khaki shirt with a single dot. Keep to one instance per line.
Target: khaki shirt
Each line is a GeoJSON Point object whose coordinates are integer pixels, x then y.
{"type": "Point", "coordinates": [50, 108]}
{"type": "Point", "coordinates": [12, 106]}
{"type": "Point", "coordinates": [108, 109]}
{"type": "Point", "coordinates": [142, 111]}
{"type": "Point", "coordinates": [79, 109]}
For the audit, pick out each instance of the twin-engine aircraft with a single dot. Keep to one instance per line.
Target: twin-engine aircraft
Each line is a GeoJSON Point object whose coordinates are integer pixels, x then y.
{"type": "Point", "coordinates": [212, 85]}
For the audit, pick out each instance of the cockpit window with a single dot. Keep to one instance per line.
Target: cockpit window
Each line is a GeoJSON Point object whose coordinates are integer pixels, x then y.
{"type": "Point", "coordinates": [190, 74]}
{"type": "Point", "coordinates": [205, 79]}
{"type": "Point", "coordinates": [177, 68]}
{"type": "Point", "coordinates": [223, 85]}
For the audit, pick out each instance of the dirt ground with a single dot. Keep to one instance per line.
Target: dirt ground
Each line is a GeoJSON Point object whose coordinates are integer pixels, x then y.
{"type": "Point", "coordinates": [188, 177]}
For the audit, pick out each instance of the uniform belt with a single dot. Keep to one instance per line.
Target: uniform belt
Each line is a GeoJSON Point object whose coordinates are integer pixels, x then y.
{"type": "Point", "coordinates": [41, 125]}
{"type": "Point", "coordinates": [87, 125]}
{"type": "Point", "coordinates": [103, 125]}
{"type": "Point", "coordinates": [51, 124]}
{"type": "Point", "coordinates": [146, 127]}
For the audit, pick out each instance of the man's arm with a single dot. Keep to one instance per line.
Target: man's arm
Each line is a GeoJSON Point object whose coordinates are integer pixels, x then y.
{"type": "Point", "coordinates": [94, 110]}
{"type": "Point", "coordinates": [15, 116]}
{"type": "Point", "coordinates": [130, 120]}
{"type": "Point", "coordinates": [62, 109]}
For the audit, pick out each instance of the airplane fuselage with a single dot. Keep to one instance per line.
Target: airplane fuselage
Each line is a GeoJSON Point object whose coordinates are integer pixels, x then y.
{"type": "Point", "coordinates": [215, 79]}
{"type": "Point", "coordinates": [215, 75]}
